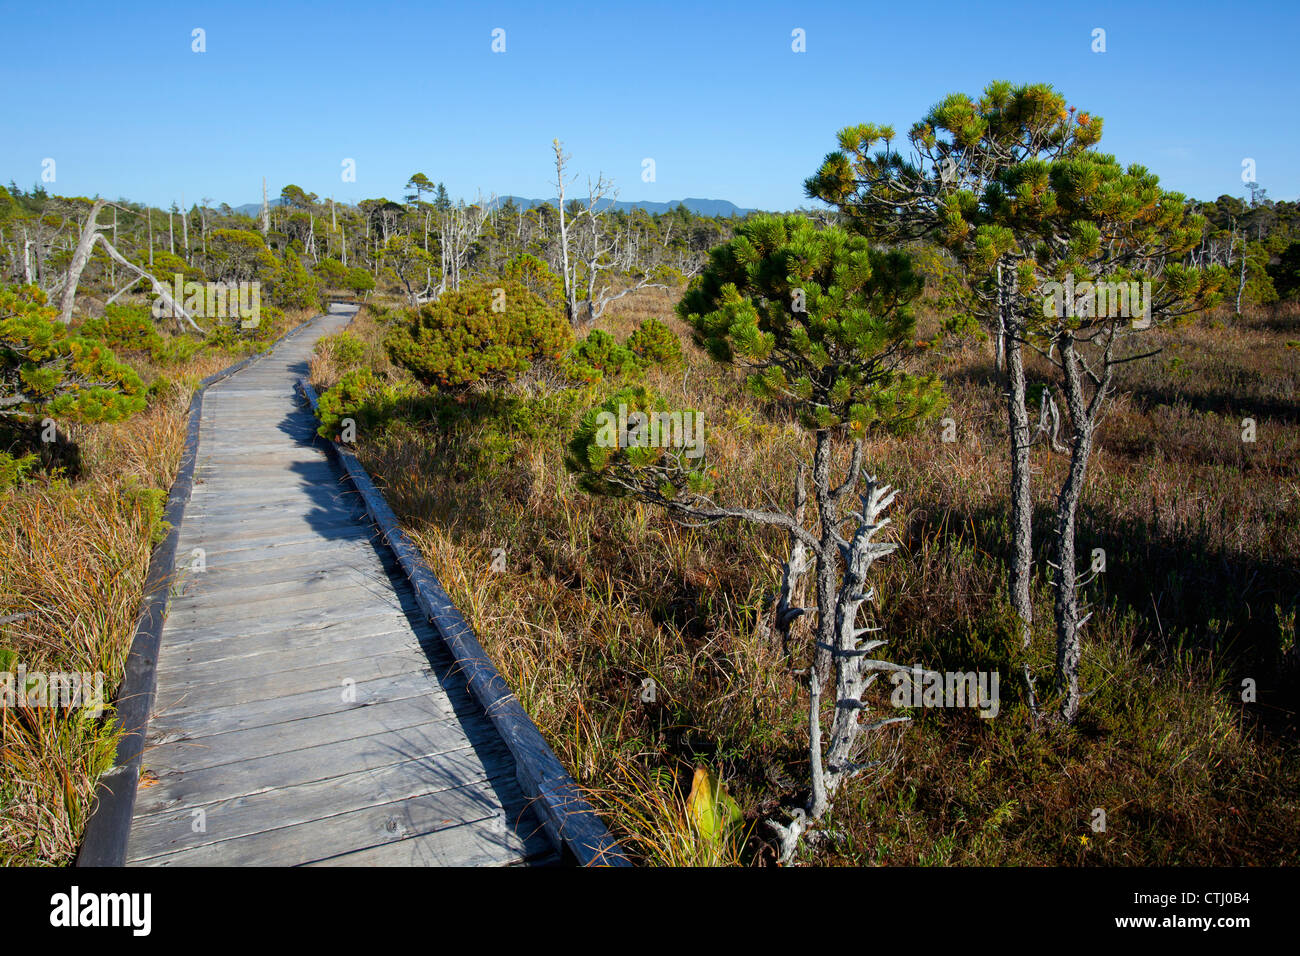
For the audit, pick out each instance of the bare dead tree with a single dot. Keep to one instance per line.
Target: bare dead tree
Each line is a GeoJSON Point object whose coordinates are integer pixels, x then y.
{"type": "Point", "coordinates": [566, 270]}
{"type": "Point", "coordinates": [598, 255]}
{"type": "Point", "coordinates": [203, 221]}
{"type": "Point", "coordinates": [92, 232]}
{"type": "Point", "coordinates": [79, 259]}
{"type": "Point", "coordinates": [459, 229]}
{"type": "Point", "coordinates": [850, 657]}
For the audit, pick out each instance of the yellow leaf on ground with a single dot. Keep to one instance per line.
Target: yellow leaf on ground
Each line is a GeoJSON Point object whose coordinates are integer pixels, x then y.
{"type": "Point", "coordinates": [711, 808]}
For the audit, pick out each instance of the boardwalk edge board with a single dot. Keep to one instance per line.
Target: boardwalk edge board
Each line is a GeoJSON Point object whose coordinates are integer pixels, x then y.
{"type": "Point", "coordinates": [109, 827]}
{"type": "Point", "coordinates": [571, 823]}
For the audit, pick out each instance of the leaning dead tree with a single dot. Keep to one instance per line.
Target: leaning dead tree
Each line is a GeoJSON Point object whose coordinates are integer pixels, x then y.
{"type": "Point", "coordinates": [91, 233]}
{"type": "Point", "coordinates": [78, 264]}
{"type": "Point", "coordinates": [821, 322]}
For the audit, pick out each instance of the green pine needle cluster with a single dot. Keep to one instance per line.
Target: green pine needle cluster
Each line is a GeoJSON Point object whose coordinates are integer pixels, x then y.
{"type": "Point", "coordinates": [47, 371]}
{"type": "Point", "coordinates": [820, 318]}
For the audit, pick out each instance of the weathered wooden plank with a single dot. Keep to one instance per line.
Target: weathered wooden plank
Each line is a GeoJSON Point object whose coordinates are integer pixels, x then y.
{"type": "Point", "coordinates": [461, 846]}
{"type": "Point", "coordinates": [317, 516]}
{"type": "Point", "coordinates": [253, 482]}
{"type": "Point", "coordinates": [444, 740]}
{"type": "Point", "coordinates": [378, 633]}
{"type": "Point", "coordinates": [244, 453]}
{"type": "Point", "coordinates": [237, 425]}
{"type": "Point", "coordinates": [291, 493]}
{"type": "Point", "coordinates": [250, 473]}
{"type": "Point", "coordinates": [324, 508]}
{"type": "Point", "coordinates": [273, 508]}
{"type": "Point", "coordinates": [174, 831]}
{"type": "Point", "coordinates": [216, 648]}
{"type": "Point", "coordinates": [236, 444]}
{"type": "Point", "coordinates": [192, 628]}
{"type": "Point", "coordinates": [350, 596]}
{"type": "Point", "coordinates": [283, 710]}
{"type": "Point", "coordinates": [293, 488]}
{"type": "Point", "coordinates": [340, 529]}
{"type": "Point", "coordinates": [324, 641]}
{"type": "Point", "coordinates": [289, 487]}
{"type": "Point", "coordinates": [224, 586]}
{"type": "Point", "coordinates": [201, 587]}
{"type": "Point", "coordinates": [334, 677]}
{"type": "Point", "coordinates": [277, 657]}
{"type": "Point", "coordinates": [431, 828]}
{"type": "Point", "coordinates": [231, 553]}
{"type": "Point", "coordinates": [172, 751]}
{"type": "Point", "coordinates": [257, 465]}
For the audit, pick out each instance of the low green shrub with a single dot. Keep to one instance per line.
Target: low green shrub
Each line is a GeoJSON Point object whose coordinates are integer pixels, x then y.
{"type": "Point", "coordinates": [294, 287]}
{"type": "Point", "coordinates": [533, 273]}
{"type": "Point", "coordinates": [47, 370]}
{"type": "Point", "coordinates": [655, 345]}
{"type": "Point", "coordinates": [333, 272]}
{"type": "Point", "coordinates": [125, 328]}
{"type": "Point", "coordinates": [361, 396]}
{"type": "Point", "coordinates": [599, 356]}
{"type": "Point", "coordinates": [487, 332]}
{"type": "Point", "coordinates": [15, 469]}
{"type": "Point", "coordinates": [359, 281]}
{"type": "Point", "coordinates": [604, 464]}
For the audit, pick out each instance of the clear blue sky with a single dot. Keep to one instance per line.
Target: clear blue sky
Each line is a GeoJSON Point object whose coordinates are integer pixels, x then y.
{"type": "Point", "coordinates": [712, 92]}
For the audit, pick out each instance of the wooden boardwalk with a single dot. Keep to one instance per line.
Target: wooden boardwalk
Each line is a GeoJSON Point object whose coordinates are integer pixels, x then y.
{"type": "Point", "coordinates": [306, 711]}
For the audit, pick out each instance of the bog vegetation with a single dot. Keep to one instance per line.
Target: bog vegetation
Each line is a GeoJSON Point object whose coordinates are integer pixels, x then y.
{"type": "Point", "coordinates": [915, 463]}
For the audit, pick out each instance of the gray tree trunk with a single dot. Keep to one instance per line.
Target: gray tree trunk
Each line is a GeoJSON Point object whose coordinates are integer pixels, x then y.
{"type": "Point", "coordinates": [570, 293]}
{"type": "Point", "coordinates": [78, 264]}
{"type": "Point", "coordinates": [1068, 624]}
{"type": "Point", "coordinates": [793, 596]}
{"type": "Point", "coordinates": [1241, 281]}
{"type": "Point", "coordinates": [1022, 502]}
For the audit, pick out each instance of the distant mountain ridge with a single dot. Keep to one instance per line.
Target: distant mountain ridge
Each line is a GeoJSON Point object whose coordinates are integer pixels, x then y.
{"type": "Point", "coordinates": [254, 208]}
{"type": "Point", "coordinates": [701, 207]}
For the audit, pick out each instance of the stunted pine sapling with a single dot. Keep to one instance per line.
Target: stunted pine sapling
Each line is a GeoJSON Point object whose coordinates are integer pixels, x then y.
{"type": "Point", "coordinates": [1109, 268]}
{"type": "Point", "coordinates": [821, 323]}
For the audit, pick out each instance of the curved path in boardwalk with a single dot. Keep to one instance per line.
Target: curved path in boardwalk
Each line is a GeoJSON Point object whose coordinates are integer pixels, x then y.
{"type": "Point", "coordinates": [306, 711]}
